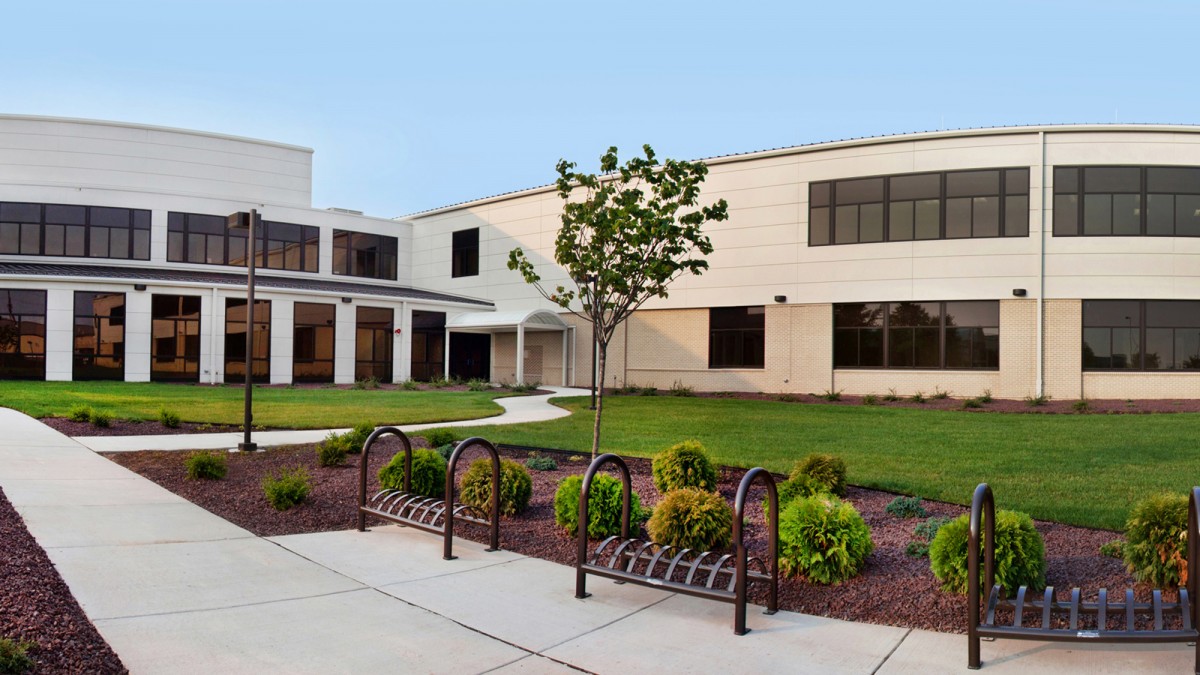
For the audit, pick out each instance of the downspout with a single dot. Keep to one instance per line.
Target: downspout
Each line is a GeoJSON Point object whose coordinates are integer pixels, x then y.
{"type": "Point", "coordinates": [212, 339]}
{"type": "Point", "coordinates": [1041, 298]}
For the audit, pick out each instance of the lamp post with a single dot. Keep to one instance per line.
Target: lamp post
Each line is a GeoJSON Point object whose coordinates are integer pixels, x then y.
{"type": "Point", "coordinates": [241, 220]}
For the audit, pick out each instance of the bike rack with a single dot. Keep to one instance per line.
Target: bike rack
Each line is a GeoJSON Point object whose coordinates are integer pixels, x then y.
{"type": "Point", "coordinates": [647, 563]}
{"type": "Point", "coordinates": [428, 513]}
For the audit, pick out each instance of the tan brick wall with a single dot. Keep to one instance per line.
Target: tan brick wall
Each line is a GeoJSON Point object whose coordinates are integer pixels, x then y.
{"type": "Point", "coordinates": [669, 346]}
{"type": "Point", "coordinates": [504, 361]}
{"type": "Point", "coordinates": [1141, 385]}
{"type": "Point", "coordinates": [1063, 356]}
{"type": "Point", "coordinates": [812, 340]}
{"type": "Point", "coordinates": [960, 383]}
{"type": "Point", "coordinates": [1018, 349]}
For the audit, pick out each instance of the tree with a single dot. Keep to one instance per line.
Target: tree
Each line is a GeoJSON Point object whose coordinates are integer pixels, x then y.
{"type": "Point", "coordinates": [636, 229]}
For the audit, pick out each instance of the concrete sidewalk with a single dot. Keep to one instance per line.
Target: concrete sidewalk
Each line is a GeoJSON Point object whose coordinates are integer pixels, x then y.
{"type": "Point", "coordinates": [176, 589]}
{"type": "Point", "coordinates": [517, 409]}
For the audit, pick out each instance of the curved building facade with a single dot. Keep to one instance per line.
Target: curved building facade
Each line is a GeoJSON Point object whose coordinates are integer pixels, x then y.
{"type": "Point", "coordinates": [1058, 260]}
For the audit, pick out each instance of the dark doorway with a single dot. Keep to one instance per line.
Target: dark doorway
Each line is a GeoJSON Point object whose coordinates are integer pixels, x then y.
{"type": "Point", "coordinates": [471, 356]}
{"type": "Point", "coordinates": [428, 344]}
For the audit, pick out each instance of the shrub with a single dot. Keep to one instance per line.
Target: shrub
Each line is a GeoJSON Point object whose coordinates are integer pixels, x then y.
{"type": "Point", "coordinates": [206, 466]}
{"type": "Point", "coordinates": [677, 389]}
{"type": "Point", "coordinates": [799, 485]}
{"type": "Point", "coordinates": [648, 391]}
{"type": "Point", "coordinates": [101, 419]}
{"type": "Point", "coordinates": [13, 656]}
{"type": "Point", "coordinates": [824, 539]}
{"type": "Point", "coordinates": [1156, 540]}
{"type": "Point", "coordinates": [446, 451]}
{"type": "Point", "coordinates": [828, 470]}
{"type": "Point", "coordinates": [525, 388]}
{"type": "Point", "coordinates": [1113, 549]}
{"type": "Point", "coordinates": [367, 383]}
{"type": "Point", "coordinates": [410, 385]}
{"type": "Point", "coordinates": [787, 398]}
{"type": "Point", "coordinates": [891, 396]}
{"type": "Point", "coordinates": [439, 437]}
{"type": "Point", "coordinates": [332, 451]}
{"type": "Point", "coordinates": [870, 399]}
{"type": "Point", "coordinates": [971, 403]}
{"type": "Point", "coordinates": [691, 518]}
{"type": "Point", "coordinates": [168, 419]}
{"type": "Point", "coordinates": [627, 389]}
{"type": "Point", "coordinates": [604, 506]}
{"type": "Point", "coordinates": [541, 463]}
{"type": "Point", "coordinates": [831, 395]}
{"type": "Point", "coordinates": [939, 395]}
{"type": "Point", "coordinates": [906, 507]}
{"type": "Point", "coordinates": [438, 382]}
{"type": "Point", "coordinates": [917, 549]}
{"type": "Point", "coordinates": [516, 487]}
{"type": "Point", "coordinates": [1081, 406]}
{"type": "Point", "coordinates": [1035, 401]}
{"type": "Point", "coordinates": [359, 435]}
{"type": "Point", "coordinates": [924, 533]}
{"type": "Point", "coordinates": [986, 396]}
{"type": "Point", "coordinates": [478, 385]}
{"type": "Point", "coordinates": [1020, 555]}
{"type": "Point", "coordinates": [428, 474]}
{"type": "Point", "coordinates": [918, 397]}
{"type": "Point", "coordinates": [684, 465]}
{"type": "Point", "coordinates": [80, 413]}
{"type": "Point", "coordinates": [287, 488]}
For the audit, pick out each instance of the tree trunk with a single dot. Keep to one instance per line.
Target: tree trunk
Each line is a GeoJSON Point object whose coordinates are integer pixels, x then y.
{"type": "Point", "coordinates": [603, 351]}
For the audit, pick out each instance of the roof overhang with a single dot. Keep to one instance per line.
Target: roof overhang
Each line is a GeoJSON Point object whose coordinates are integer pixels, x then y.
{"type": "Point", "coordinates": [506, 322]}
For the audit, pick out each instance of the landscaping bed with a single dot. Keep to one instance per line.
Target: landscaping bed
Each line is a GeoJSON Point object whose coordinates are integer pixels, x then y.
{"type": "Point", "coordinates": [894, 588]}
{"type": "Point", "coordinates": [36, 606]}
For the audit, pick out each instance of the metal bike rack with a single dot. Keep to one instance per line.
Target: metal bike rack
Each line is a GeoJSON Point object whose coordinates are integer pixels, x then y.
{"type": "Point", "coordinates": [983, 515]}
{"type": "Point", "coordinates": [639, 561]}
{"type": "Point", "coordinates": [428, 513]}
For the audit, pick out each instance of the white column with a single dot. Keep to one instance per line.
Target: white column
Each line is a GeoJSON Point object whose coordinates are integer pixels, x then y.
{"type": "Point", "coordinates": [446, 356]}
{"type": "Point", "coordinates": [344, 334]}
{"type": "Point", "coordinates": [520, 353]}
{"type": "Point", "coordinates": [138, 331]}
{"type": "Point", "coordinates": [283, 327]}
{"type": "Point", "coordinates": [59, 339]}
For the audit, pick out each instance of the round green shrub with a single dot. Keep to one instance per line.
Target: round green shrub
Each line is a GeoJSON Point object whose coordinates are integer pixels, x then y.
{"type": "Point", "coordinates": [80, 413]}
{"type": "Point", "coordinates": [332, 451]}
{"type": "Point", "coordinates": [1020, 554]}
{"type": "Point", "coordinates": [286, 489]}
{"type": "Point", "coordinates": [828, 470]}
{"type": "Point", "coordinates": [684, 465]}
{"type": "Point", "coordinates": [101, 419]}
{"type": "Point", "coordinates": [516, 487]}
{"type": "Point", "coordinates": [439, 437]}
{"type": "Point", "coordinates": [604, 506]}
{"type": "Point", "coordinates": [428, 474]}
{"type": "Point", "coordinates": [168, 419]}
{"type": "Point", "coordinates": [206, 466]}
{"type": "Point", "coordinates": [692, 518]}
{"type": "Point", "coordinates": [358, 437]}
{"type": "Point", "coordinates": [823, 538]}
{"type": "Point", "coordinates": [1155, 549]}
{"type": "Point", "coordinates": [800, 485]}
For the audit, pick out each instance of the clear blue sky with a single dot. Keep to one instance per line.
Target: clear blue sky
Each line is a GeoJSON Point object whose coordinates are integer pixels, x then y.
{"type": "Point", "coordinates": [411, 106]}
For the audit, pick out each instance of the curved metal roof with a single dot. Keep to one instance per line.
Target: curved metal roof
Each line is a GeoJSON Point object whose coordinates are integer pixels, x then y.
{"type": "Point", "coordinates": [531, 319]}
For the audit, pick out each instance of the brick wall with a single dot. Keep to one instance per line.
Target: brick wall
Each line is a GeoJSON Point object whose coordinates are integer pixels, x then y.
{"type": "Point", "coordinates": [1063, 356]}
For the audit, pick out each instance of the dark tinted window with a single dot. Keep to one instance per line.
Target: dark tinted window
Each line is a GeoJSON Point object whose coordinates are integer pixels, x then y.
{"type": "Point", "coordinates": [99, 336]}
{"type": "Point", "coordinates": [22, 335]}
{"type": "Point", "coordinates": [736, 337]}
{"type": "Point", "coordinates": [359, 254]}
{"type": "Point", "coordinates": [1141, 335]}
{"type": "Point", "coordinates": [954, 335]}
{"type": "Point", "coordinates": [464, 255]}
{"type": "Point", "coordinates": [77, 231]}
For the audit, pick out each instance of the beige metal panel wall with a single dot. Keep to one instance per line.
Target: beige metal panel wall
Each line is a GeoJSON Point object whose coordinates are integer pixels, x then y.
{"type": "Point", "coordinates": [91, 154]}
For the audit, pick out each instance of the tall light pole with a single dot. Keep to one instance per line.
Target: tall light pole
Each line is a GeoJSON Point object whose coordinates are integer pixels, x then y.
{"type": "Point", "coordinates": [237, 221]}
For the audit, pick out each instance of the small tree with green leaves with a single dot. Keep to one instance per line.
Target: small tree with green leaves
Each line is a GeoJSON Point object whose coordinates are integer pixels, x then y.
{"type": "Point", "coordinates": [636, 229]}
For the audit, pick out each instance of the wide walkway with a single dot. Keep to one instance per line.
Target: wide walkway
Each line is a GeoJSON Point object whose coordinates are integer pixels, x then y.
{"type": "Point", "coordinates": [517, 409]}
{"type": "Point", "coordinates": [175, 589]}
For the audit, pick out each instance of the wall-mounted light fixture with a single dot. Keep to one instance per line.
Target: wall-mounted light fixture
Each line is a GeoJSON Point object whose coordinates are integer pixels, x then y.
{"type": "Point", "coordinates": [346, 300]}
{"type": "Point", "coordinates": [781, 298]}
{"type": "Point", "coordinates": [1019, 292]}
{"type": "Point", "coordinates": [139, 287]}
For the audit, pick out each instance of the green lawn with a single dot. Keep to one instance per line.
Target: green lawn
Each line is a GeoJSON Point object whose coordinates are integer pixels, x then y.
{"type": "Point", "coordinates": [1080, 469]}
{"type": "Point", "coordinates": [273, 406]}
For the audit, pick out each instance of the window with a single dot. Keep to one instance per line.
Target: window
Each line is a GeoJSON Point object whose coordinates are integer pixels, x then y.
{"type": "Point", "coordinates": [99, 336]}
{"type": "Point", "coordinates": [464, 258]}
{"type": "Point", "coordinates": [313, 342]}
{"type": "Point", "coordinates": [373, 344]}
{"type": "Point", "coordinates": [947, 205]}
{"type": "Point", "coordinates": [1141, 335]}
{"type": "Point", "coordinates": [736, 337]}
{"type": "Point", "coordinates": [22, 335]}
{"type": "Point", "coordinates": [428, 345]}
{"type": "Point", "coordinates": [78, 231]}
{"type": "Point", "coordinates": [175, 338]}
{"type": "Point", "coordinates": [207, 240]}
{"type": "Point", "coordinates": [358, 254]}
{"type": "Point", "coordinates": [1098, 201]}
{"type": "Point", "coordinates": [934, 335]}
{"type": "Point", "coordinates": [235, 341]}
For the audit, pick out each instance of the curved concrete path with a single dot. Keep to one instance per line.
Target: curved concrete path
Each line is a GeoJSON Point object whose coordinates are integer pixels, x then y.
{"type": "Point", "coordinates": [517, 409]}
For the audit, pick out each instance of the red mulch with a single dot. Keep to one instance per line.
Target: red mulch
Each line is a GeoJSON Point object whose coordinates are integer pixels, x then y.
{"type": "Point", "coordinates": [894, 588]}
{"type": "Point", "coordinates": [36, 606]}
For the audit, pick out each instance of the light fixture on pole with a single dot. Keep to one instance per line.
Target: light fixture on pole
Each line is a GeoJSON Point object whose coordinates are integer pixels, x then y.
{"type": "Point", "coordinates": [243, 220]}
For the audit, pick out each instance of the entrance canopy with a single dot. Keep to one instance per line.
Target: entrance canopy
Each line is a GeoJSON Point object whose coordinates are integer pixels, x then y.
{"type": "Point", "coordinates": [517, 321]}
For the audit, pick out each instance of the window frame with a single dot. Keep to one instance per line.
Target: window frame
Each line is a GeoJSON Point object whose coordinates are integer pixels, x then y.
{"type": "Point", "coordinates": [343, 243]}
{"type": "Point", "coordinates": [308, 247]}
{"type": "Point", "coordinates": [79, 360]}
{"type": "Point", "coordinates": [740, 333]}
{"type": "Point", "coordinates": [1080, 192]}
{"type": "Point", "coordinates": [1142, 326]}
{"type": "Point", "coordinates": [20, 319]}
{"type": "Point", "coordinates": [136, 232]}
{"type": "Point", "coordinates": [464, 258]}
{"type": "Point", "coordinates": [886, 328]}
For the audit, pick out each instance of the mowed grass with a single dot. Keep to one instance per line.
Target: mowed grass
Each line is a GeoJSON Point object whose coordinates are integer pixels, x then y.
{"type": "Point", "coordinates": [1079, 469]}
{"type": "Point", "coordinates": [273, 406]}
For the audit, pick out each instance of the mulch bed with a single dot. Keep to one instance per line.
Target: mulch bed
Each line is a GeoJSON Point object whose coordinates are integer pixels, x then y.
{"type": "Point", "coordinates": [36, 606]}
{"type": "Point", "coordinates": [894, 588]}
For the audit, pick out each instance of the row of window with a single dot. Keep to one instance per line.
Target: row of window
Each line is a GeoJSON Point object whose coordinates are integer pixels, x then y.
{"type": "Point", "coordinates": [99, 338]}
{"type": "Point", "coordinates": [204, 239]}
{"type": "Point", "coordinates": [1154, 201]}
{"type": "Point", "coordinates": [78, 231]}
{"type": "Point", "coordinates": [958, 335]}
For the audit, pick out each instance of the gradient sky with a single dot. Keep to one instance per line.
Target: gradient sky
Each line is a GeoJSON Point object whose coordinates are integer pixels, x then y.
{"type": "Point", "coordinates": [413, 106]}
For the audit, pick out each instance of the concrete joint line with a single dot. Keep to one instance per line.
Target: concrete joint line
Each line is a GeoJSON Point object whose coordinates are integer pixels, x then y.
{"type": "Point", "coordinates": [457, 572]}
{"type": "Point", "coordinates": [603, 626]}
{"type": "Point", "coordinates": [892, 651]}
{"type": "Point", "coordinates": [221, 609]}
{"type": "Point", "coordinates": [151, 543]}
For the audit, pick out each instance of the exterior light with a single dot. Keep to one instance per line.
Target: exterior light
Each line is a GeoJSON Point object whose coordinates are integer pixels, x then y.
{"type": "Point", "coordinates": [781, 298]}
{"type": "Point", "coordinates": [1019, 292]}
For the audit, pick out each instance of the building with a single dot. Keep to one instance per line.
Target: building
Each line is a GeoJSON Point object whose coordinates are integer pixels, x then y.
{"type": "Point", "coordinates": [1060, 260]}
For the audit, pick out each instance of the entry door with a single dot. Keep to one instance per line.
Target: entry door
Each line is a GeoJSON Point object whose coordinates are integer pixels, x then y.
{"type": "Point", "coordinates": [471, 356]}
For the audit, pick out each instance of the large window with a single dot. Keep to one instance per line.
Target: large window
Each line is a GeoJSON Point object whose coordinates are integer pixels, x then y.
{"type": "Point", "coordinates": [99, 336]}
{"type": "Point", "coordinates": [1099, 201]}
{"type": "Point", "coordinates": [951, 335]}
{"type": "Point", "coordinates": [358, 254]}
{"type": "Point", "coordinates": [464, 257]}
{"type": "Point", "coordinates": [235, 341]}
{"type": "Point", "coordinates": [373, 344]}
{"type": "Point", "coordinates": [312, 342]}
{"type": "Point", "coordinates": [947, 205]}
{"type": "Point", "coordinates": [428, 345]}
{"type": "Point", "coordinates": [736, 337]}
{"type": "Point", "coordinates": [205, 239]}
{"type": "Point", "coordinates": [175, 338]}
{"type": "Point", "coordinates": [22, 335]}
{"type": "Point", "coordinates": [1141, 335]}
{"type": "Point", "coordinates": [79, 231]}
